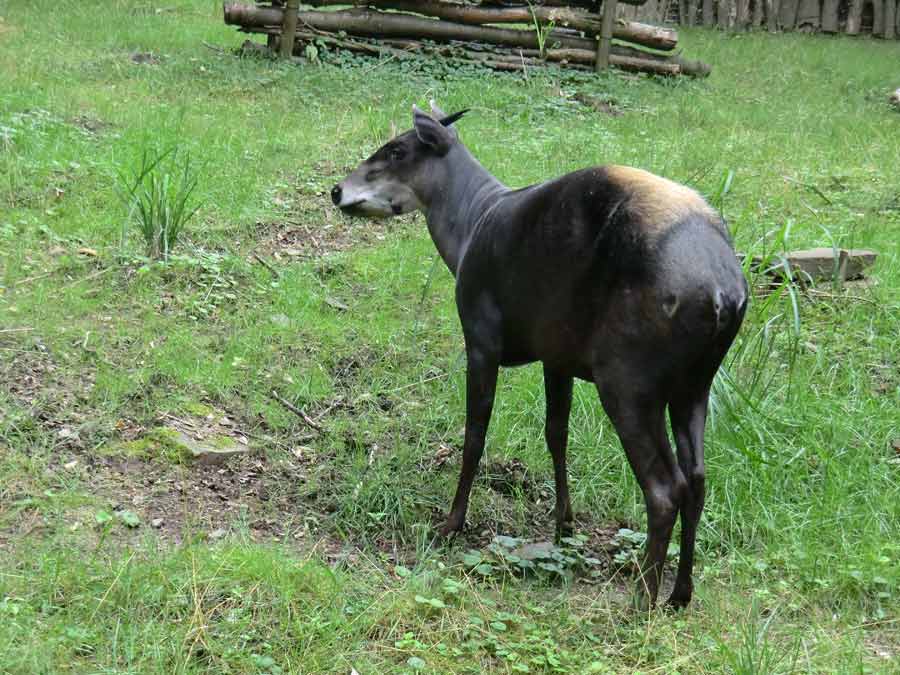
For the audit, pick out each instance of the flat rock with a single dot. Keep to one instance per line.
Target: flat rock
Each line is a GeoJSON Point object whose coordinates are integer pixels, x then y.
{"type": "Point", "coordinates": [539, 550]}
{"type": "Point", "coordinates": [821, 264]}
{"type": "Point", "coordinates": [210, 452]}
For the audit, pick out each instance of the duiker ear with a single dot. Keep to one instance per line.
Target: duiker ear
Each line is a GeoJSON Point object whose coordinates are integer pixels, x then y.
{"type": "Point", "coordinates": [444, 118]}
{"type": "Point", "coordinates": [431, 132]}
{"type": "Point", "coordinates": [436, 112]}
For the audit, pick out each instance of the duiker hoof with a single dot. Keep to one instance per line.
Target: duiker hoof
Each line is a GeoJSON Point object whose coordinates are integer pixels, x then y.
{"type": "Point", "coordinates": [449, 528]}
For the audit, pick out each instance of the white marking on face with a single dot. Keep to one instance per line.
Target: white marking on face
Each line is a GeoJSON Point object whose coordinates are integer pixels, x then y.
{"type": "Point", "coordinates": [379, 198]}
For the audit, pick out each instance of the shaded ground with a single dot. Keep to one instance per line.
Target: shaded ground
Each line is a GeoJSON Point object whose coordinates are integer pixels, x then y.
{"type": "Point", "coordinates": [280, 491]}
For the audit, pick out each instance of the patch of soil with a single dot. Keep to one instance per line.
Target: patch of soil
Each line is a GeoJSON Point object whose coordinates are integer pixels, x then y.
{"type": "Point", "coordinates": [90, 126]}
{"type": "Point", "coordinates": [598, 104]}
{"type": "Point", "coordinates": [182, 501]}
{"type": "Point", "coordinates": [508, 477]}
{"type": "Point", "coordinates": [347, 369]}
{"type": "Point", "coordinates": [293, 240]}
{"type": "Point", "coordinates": [146, 58]}
{"type": "Point", "coordinates": [53, 398]}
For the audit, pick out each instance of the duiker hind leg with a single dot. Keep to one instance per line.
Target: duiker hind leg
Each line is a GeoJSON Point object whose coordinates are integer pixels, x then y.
{"type": "Point", "coordinates": [688, 415]}
{"type": "Point", "coordinates": [687, 409]}
{"type": "Point", "coordinates": [638, 415]}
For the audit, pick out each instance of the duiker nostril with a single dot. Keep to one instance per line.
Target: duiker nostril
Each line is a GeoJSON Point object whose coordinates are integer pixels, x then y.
{"type": "Point", "coordinates": [336, 193]}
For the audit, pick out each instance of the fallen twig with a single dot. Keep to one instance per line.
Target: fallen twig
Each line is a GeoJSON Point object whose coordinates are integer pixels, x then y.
{"type": "Point", "coordinates": [339, 401]}
{"type": "Point", "coordinates": [809, 186]}
{"type": "Point", "coordinates": [75, 282]}
{"type": "Point", "coordinates": [112, 585]}
{"type": "Point", "coordinates": [262, 261]}
{"type": "Point", "coordinates": [34, 278]}
{"type": "Point", "coordinates": [842, 296]}
{"type": "Point", "coordinates": [213, 47]}
{"type": "Point", "coordinates": [297, 411]}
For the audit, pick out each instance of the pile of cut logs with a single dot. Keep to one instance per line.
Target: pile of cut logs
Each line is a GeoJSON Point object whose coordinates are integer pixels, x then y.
{"type": "Point", "coordinates": [499, 34]}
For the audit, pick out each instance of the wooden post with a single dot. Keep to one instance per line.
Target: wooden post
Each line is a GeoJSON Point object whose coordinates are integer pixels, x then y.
{"type": "Point", "coordinates": [854, 17]}
{"type": "Point", "coordinates": [830, 16]}
{"type": "Point", "coordinates": [723, 13]}
{"type": "Point", "coordinates": [603, 45]}
{"type": "Point", "coordinates": [890, 19]}
{"type": "Point", "coordinates": [289, 28]}
{"type": "Point", "coordinates": [877, 18]}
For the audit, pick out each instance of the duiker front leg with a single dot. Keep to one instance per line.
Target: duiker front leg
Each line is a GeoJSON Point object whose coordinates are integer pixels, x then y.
{"type": "Point", "coordinates": [558, 391]}
{"type": "Point", "coordinates": [481, 384]}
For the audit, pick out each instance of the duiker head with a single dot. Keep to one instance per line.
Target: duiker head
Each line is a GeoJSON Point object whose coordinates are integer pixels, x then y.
{"type": "Point", "coordinates": [401, 175]}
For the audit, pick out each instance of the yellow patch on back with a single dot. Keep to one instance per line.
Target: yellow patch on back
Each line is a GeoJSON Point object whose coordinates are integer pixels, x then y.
{"type": "Point", "coordinates": [656, 202]}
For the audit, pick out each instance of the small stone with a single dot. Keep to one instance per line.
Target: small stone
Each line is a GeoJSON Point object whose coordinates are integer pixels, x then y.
{"type": "Point", "coordinates": [281, 320]}
{"type": "Point", "coordinates": [69, 466]}
{"type": "Point", "coordinates": [156, 523]}
{"type": "Point", "coordinates": [336, 304]}
{"type": "Point", "coordinates": [894, 99]}
{"type": "Point", "coordinates": [217, 534]}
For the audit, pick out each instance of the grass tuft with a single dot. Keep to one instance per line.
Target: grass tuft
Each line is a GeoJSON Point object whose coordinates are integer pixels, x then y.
{"type": "Point", "coordinates": [157, 193]}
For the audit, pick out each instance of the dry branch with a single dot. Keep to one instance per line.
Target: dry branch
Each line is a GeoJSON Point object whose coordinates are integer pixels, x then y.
{"type": "Point", "coordinates": [297, 411]}
{"type": "Point", "coordinates": [366, 22]}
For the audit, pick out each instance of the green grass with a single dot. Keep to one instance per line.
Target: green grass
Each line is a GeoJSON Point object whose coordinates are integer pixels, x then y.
{"type": "Point", "coordinates": [798, 548]}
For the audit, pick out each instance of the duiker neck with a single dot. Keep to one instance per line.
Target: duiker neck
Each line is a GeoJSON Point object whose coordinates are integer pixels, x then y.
{"type": "Point", "coordinates": [456, 206]}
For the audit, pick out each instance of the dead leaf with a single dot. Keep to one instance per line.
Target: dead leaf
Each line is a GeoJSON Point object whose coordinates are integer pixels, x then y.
{"type": "Point", "coordinates": [84, 250]}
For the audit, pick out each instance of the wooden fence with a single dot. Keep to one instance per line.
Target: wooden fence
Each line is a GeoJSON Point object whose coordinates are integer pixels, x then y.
{"type": "Point", "coordinates": [878, 18]}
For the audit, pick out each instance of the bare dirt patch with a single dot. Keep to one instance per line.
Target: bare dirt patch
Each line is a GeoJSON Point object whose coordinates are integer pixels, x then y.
{"type": "Point", "coordinates": [91, 126]}
{"type": "Point", "coordinates": [289, 240]}
{"type": "Point", "coordinates": [252, 493]}
{"type": "Point", "coordinates": [50, 397]}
